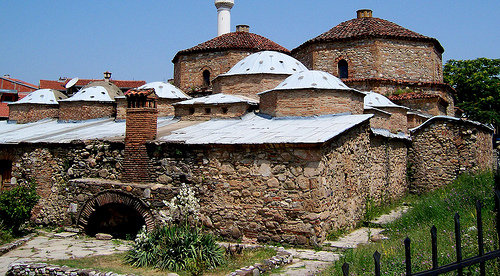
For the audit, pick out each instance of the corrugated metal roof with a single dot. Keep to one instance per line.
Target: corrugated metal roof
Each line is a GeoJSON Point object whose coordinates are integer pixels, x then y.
{"type": "Point", "coordinates": [165, 90]}
{"type": "Point", "coordinates": [267, 62]}
{"type": "Point", "coordinates": [219, 98]}
{"type": "Point", "coordinates": [51, 131]}
{"type": "Point", "coordinates": [312, 80]}
{"type": "Point", "coordinates": [449, 118]}
{"type": "Point", "coordinates": [256, 129]}
{"type": "Point", "coordinates": [42, 96]}
{"type": "Point", "coordinates": [387, 133]}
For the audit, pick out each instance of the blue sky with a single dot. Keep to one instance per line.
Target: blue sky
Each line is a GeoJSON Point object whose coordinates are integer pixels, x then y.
{"type": "Point", "coordinates": [45, 39]}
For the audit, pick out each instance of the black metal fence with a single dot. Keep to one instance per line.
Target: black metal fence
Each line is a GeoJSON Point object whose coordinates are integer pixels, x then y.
{"type": "Point", "coordinates": [460, 264]}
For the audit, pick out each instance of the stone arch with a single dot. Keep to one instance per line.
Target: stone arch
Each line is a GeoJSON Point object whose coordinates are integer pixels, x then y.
{"type": "Point", "coordinates": [115, 197]}
{"type": "Point", "coordinates": [206, 76]}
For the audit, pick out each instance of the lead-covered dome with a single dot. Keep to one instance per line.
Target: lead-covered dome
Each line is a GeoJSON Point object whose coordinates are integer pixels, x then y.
{"type": "Point", "coordinates": [42, 96]}
{"type": "Point", "coordinates": [377, 100]}
{"type": "Point", "coordinates": [165, 90]}
{"type": "Point", "coordinates": [99, 91]}
{"type": "Point", "coordinates": [267, 62]}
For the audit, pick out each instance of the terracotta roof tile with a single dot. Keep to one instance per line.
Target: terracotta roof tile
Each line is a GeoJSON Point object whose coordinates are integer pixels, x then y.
{"type": "Point", "coordinates": [52, 84]}
{"type": "Point", "coordinates": [235, 41]}
{"type": "Point", "coordinates": [141, 92]}
{"type": "Point", "coordinates": [30, 85]}
{"type": "Point", "coordinates": [368, 27]}
{"type": "Point", "coordinates": [410, 96]}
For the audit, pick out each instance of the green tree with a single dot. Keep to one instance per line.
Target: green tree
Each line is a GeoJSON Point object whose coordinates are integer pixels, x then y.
{"type": "Point", "coordinates": [477, 84]}
{"type": "Point", "coordinates": [16, 205]}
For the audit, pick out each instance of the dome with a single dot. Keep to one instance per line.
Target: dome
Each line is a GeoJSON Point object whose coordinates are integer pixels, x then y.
{"type": "Point", "coordinates": [311, 80]}
{"type": "Point", "coordinates": [373, 99]}
{"type": "Point", "coordinates": [165, 90]}
{"type": "Point", "coordinates": [42, 96]}
{"type": "Point", "coordinates": [267, 62]}
{"type": "Point", "coordinates": [98, 91]}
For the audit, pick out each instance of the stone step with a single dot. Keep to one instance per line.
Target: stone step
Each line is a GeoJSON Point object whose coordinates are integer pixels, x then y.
{"type": "Point", "coordinates": [391, 216]}
{"type": "Point", "coordinates": [352, 240]}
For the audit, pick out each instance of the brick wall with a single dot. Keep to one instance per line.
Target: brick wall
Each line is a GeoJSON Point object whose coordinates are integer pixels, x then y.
{"type": "Point", "coordinates": [415, 120]}
{"type": "Point", "coordinates": [391, 87]}
{"type": "Point", "coordinates": [164, 107]}
{"type": "Point", "coordinates": [188, 69]}
{"type": "Point", "coordinates": [78, 111]}
{"type": "Point", "coordinates": [247, 85]}
{"type": "Point", "coordinates": [376, 58]}
{"type": "Point", "coordinates": [442, 149]}
{"type": "Point", "coordinates": [207, 112]}
{"type": "Point", "coordinates": [309, 102]}
{"type": "Point", "coordinates": [141, 126]}
{"type": "Point", "coordinates": [26, 113]}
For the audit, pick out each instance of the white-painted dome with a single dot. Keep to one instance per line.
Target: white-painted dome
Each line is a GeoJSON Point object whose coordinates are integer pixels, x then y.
{"type": "Point", "coordinates": [373, 99]}
{"type": "Point", "coordinates": [267, 62]}
{"type": "Point", "coordinates": [42, 96]}
{"type": "Point", "coordinates": [311, 80]}
{"type": "Point", "coordinates": [165, 90]}
{"type": "Point", "coordinates": [91, 94]}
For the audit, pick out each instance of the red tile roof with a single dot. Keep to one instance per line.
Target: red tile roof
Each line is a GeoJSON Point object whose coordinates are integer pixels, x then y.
{"type": "Point", "coordinates": [4, 110]}
{"type": "Point", "coordinates": [20, 82]}
{"type": "Point", "coordinates": [141, 92]}
{"type": "Point", "coordinates": [60, 85]}
{"type": "Point", "coordinates": [412, 95]}
{"type": "Point", "coordinates": [235, 41]}
{"type": "Point", "coordinates": [369, 27]}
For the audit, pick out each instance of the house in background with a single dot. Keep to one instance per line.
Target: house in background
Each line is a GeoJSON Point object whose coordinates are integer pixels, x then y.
{"type": "Point", "coordinates": [60, 84]}
{"type": "Point", "coordinates": [12, 90]}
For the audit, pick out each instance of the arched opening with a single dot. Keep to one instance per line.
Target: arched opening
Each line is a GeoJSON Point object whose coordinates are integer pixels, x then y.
{"type": "Point", "coordinates": [343, 69]}
{"type": "Point", "coordinates": [206, 78]}
{"type": "Point", "coordinates": [115, 212]}
{"type": "Point", "coordinates": [119, 220]}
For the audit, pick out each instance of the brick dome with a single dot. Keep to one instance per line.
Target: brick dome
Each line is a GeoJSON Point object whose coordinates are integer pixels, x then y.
{"type": "Point", "coordinates": [235, 41]}
{"type": "Point", "coordinates": [370, 27]}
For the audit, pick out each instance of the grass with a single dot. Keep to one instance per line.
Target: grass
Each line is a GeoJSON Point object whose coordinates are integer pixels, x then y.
{"type": "Point", "coordinates": [115, 263]}
{"type": "Point", "coordinates": [436, 208]}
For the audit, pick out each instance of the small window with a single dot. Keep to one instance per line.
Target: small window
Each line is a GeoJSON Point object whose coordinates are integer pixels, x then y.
{"type": "Point", "coordinates": [206, 78]}
{"type": "Point", "coordinates": [224, 110]}
{"type": "Point", "coordinates": [5, 173]}
{"type": "Point", "coordinates": [343, 69]}
{"type": "Point", "coordinates": [208, 110]}
{"type": "Point", "coordinates": [191, 110]}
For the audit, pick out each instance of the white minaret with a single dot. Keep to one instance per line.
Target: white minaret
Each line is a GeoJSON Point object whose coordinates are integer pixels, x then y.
{"type": "Point", "coordinates": [223, 16]}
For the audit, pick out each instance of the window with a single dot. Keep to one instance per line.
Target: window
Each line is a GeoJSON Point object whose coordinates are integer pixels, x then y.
{"type": "Point", "coordinates": [206, 78]}
{"type": "Point", "coordinates": [208, 110]}
{"type": "Point", "coordinates": [343, 69]}
{"type": "Point", "coordinates": [191, 110]}
{"type": "Point", "coordinates": [224, 110]}
{"type": "Point", "coordinates": [5, 172]}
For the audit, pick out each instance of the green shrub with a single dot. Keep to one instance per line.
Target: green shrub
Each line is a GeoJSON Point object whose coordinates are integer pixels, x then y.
{"type": "Point", "coordinates": [175, 248]}
{"type": "Point", "coordinates": [16, 205]}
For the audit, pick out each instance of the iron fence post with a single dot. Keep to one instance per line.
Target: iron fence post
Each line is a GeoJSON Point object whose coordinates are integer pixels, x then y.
{"type": "Point", "coordinates": [480, 245]}
{"type": "Point", "coordinates": [407, 256]}
{"type": "Point", "coordinates": [458, 242]}
{"type": "Point", "coordinates": [434, 247]}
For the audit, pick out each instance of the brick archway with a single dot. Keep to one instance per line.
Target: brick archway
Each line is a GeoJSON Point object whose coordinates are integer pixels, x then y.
{"type": "Point", "coordinates": [116, 197]}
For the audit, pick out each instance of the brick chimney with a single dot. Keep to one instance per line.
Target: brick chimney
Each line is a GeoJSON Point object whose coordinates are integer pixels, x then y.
{"type": "Point", "coordinates": [364, 13]}
{"type": "Point", "coordinates": [141, 127]}
{"type": "Point", "coordinates": [243, 28]}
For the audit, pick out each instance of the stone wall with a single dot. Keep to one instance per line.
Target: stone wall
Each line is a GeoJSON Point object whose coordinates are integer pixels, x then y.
{"type": "Point", "coordinates": [282, 193]}
{"type": "Point", "coordinates": [444, 148]}
{"type": "Point", "coordinates": [432, 106]}
{"type": "Point", "coordinates": [395, 122]}
{"type": "Point", "coordinates": [188, 68]}
{"type": "Point", "coordinates": [376, 58]}
{"type": "Point", "coordinates": [207, 112]}
{"type": "Point", "coordinates": [26, 113]}
{"type": "Point", "coordinates": [310, 102]}
{"type": "Point", "coordinates": [51, 166]}
{"type": "Point", "coordinates": [247, 85]}
{"type": "Point", "coordinates": [81, 110]}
